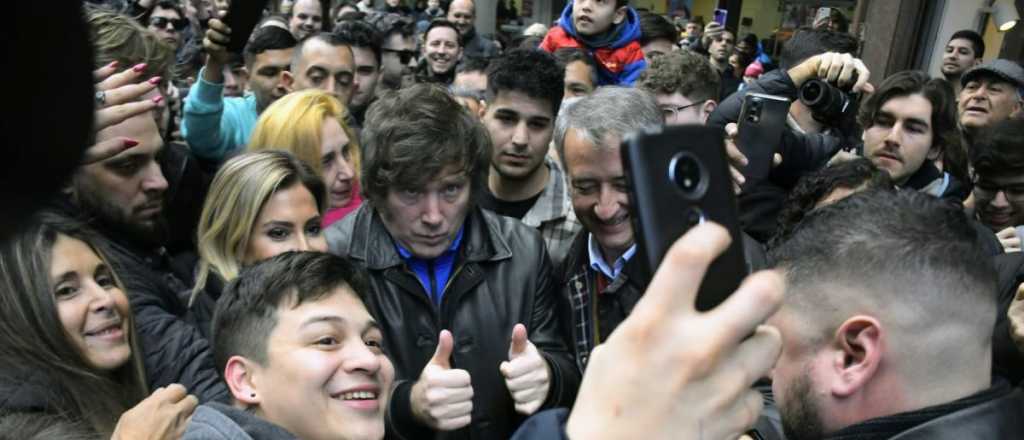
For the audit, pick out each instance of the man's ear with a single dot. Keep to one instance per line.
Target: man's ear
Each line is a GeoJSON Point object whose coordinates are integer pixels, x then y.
{"type": "Point", "coordinates": [935, 152]}
{"type": "Point", "coordinates": [708, 107]}
{"type": "Point", "coordinates": [288, 78]}
{"type": "Point", "coordinates": [620, 14]}
{"type": "Point", "coordinates": [483, 108]}
{"type": "Point", "coordinates": [859, 344]}
{"type": "Point", "coordinates": [241, 376]}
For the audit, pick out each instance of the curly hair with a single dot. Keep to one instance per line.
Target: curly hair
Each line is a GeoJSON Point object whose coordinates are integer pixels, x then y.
{"type": "Point", "coordinates": [533, 72]}
{"type": "Point", "coordinates": [682, 71]}
{"type": "Point", "coordinates": [815, 187]}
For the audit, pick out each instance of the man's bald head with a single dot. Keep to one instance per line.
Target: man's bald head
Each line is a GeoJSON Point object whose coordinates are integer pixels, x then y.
{"type": "Point", "coordinates": [462, 13]}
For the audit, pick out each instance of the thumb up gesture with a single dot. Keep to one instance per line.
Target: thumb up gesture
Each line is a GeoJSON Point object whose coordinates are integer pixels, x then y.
{"type": "Point", "coordinates": [527, 374]}
{"type": "Point", "coordinates": [442, 398]}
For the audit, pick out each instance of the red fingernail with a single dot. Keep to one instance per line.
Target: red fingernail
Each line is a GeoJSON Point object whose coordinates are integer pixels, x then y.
{"type": "Point", "coordinates": [158, 99]}
{"type": "Point", "coordinates": [139, 67]}
{"type": "Point", "coordinates": [154, 80]}
{"type": "Point", "coordinates": [113, 64]}
{"type": "Point", "coordinates": [128, 143]}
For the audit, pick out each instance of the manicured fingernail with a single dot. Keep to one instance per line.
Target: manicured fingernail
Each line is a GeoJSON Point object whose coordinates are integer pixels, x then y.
{"type": "Point", "coordinates": [113, 64]}
{"type": "Point", "coordinates": [128, 143]}
{"type": "Point", "coordinates": [139, 67]}
{"type": "Point", "coordinates": [158, 99]}
{"type": "Point", "coordinates": [154, 80]}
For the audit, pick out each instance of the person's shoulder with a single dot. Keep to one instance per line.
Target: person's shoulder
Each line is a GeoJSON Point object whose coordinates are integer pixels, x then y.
{"type": "Point", "coordinates": [340, 234]}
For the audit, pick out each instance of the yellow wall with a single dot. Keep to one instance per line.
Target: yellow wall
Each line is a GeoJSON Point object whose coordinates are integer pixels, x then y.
{"type": "Point", "coordinates": [705, 8]}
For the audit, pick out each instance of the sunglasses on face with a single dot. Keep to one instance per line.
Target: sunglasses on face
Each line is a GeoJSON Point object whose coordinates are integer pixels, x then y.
{"type": "Point", "coordinates": [403, 55]}
{"type": "Point", "coordinates": [162, 22]}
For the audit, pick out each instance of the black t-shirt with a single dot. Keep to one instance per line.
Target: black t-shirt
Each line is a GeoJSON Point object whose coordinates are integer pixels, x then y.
{"type": "Point", "coordinates": [515, 210]}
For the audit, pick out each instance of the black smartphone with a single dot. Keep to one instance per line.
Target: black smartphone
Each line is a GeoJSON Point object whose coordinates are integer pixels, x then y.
{"type": "Point", "coordinates": [241, 19]}
{"type": "Point", "coordinates": [678, 178]}
{"type": "Point", "coordinates": [762, 119]}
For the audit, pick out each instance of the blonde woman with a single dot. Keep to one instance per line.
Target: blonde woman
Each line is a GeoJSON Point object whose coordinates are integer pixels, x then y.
{"type": "Point", "coordinates": [260, 204]}
{"type": "Point", "coordinates": [311, 125]}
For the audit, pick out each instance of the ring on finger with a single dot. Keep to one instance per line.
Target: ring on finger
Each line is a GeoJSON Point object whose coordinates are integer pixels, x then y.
{"type": "Point", "coordinates": [101, 98]}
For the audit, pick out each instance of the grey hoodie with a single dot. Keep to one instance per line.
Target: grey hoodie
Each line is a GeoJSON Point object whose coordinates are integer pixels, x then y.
{"type": "Point", "coordinates": [216, 421]}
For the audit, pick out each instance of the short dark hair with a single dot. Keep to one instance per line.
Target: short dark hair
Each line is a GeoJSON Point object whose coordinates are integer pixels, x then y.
{"type": "Point", "coordinates": [162, 4]}
{"type": "Point", "coordinates": [999, 150]}
{"type": "Point", "coordinates": [473, 64]}
{"type": "Point", "coordinates": [655, 27]}
{"type": "Point", "coordinates": [440, 22]}
{"type": "Point", "coordinates": [977, 42]}
{"type": "Point", "coordinates": [905, 250]}
{"type": "Point", "coordinates": [815, 186]}
{"type": "Point", "coordinates": [621, 3]}
{"type": "Point", "coordinates": [411, 134]}
{"type": "Point", "coordinates": [945, 131]}
{"type": "Point", "coordinates": [568, 55]}
{"type": "Point", "coordinates": [806, 43]}
{"type": "Point", "coordinates": [356, 33]}
{"type": "Point", "coordinates": [267, 38]}
{"type": "Point", "coordinates": [533, 72]}
{"type": "Point", "coordinates": [246, 312]}
{"type": "Point", "coordinates": [682, 71]}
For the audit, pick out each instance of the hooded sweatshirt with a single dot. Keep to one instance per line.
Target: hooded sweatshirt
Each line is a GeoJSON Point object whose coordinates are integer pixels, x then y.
{"type": "Point", "coordinates": [618, 54]}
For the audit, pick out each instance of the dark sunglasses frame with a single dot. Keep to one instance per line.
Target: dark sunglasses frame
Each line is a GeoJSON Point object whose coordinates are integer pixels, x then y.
{"type": "Point", "coordinates": [161, 23]}
{"type": "Point", "coordinates": [403, 55]}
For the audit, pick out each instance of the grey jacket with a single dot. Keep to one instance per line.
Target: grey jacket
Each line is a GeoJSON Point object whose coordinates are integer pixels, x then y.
{"type": "Point", "coordinates": [216, 421]}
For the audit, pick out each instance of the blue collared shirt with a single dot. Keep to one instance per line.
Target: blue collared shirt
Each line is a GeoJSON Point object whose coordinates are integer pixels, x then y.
{"type": "Point", "coordinates": [433, 274]}
{"type": "Point", "coordinates": [597, 261]}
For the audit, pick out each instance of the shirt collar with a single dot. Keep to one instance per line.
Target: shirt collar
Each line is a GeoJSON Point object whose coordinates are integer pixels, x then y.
{"type": "Point", "coordinates": [406, 255]}
{"type": "Point", "coordinates": [597, 261]}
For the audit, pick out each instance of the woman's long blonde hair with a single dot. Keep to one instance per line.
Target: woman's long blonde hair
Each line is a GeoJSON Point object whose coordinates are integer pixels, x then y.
{"type": "Point", "coordinates": [237, 195]}
{"type": "Point", "coordinates": [294, 123]}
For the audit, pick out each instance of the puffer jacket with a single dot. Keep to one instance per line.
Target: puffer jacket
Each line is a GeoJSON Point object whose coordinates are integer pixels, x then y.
{"type": "Point", "coordinates": [502, 276]}
{"type": "Point", "coordinates": [619, 63]}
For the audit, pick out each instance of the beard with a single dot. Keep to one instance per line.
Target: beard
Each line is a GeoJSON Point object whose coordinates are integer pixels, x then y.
{"type": "Point", "coordinates": [147, 233]}
{"type": "Point", "coordinates": [801, 416]}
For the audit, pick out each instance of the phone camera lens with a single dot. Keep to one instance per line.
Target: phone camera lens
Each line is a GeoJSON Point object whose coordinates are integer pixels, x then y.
{"type": "Point", "coordinates": [693, 217]}
{"type": "Point", "coordinates": [689, 175]}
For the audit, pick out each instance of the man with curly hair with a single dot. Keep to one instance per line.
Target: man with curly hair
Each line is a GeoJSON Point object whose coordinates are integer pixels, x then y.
{"type": "Point", "coordinates": [685, 86]}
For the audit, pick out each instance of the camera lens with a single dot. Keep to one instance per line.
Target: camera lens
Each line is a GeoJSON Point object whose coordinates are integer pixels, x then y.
{"type": "Point", "coordinates": [689, 175]}
{"type": "Point", "coordinates": [693, 217]}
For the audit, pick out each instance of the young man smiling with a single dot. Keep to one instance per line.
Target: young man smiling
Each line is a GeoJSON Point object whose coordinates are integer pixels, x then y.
{"type": "Point", "coordinates": [300, 353]}
{"type": "Point", "coordinates": [523, 97]}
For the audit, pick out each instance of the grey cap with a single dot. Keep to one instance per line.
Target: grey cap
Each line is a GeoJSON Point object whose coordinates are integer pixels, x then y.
{"type": "Point", "coordinates": [1007, 70]}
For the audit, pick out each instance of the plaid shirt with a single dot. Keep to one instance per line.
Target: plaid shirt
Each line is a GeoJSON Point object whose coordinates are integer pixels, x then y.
{"type": "Point", "coordinates": [614, 302]}
{"type": "Point", "coordinates": [552, 214]}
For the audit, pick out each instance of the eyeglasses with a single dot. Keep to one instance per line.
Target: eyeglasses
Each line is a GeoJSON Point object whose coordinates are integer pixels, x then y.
{"type": "Point", "coordinates": [162, 22]}
{"type": "Point", "coordinates": [403, 55]}
{"type": "Point", "coordinates": [671, 112]}
{"type": "Point", "coordinates": [988, 191]}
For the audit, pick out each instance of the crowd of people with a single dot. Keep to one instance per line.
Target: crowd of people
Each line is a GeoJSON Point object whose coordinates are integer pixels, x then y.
{"type": "Point", "coordinates": [376, 222]}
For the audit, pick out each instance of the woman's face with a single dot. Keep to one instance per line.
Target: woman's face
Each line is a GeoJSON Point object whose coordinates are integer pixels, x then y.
{"type": "Point", "coordinates": [92, 307]}
{"type": "Point", "coordinates": [335, 155]}
{"type": "Point", "coordinates": [289, 221]}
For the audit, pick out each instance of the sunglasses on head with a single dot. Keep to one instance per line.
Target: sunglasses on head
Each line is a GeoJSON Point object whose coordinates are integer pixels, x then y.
{"type": "Point", "coordinates": [403, 55]}
{"type": "Point", "coordinates": [161, 23]}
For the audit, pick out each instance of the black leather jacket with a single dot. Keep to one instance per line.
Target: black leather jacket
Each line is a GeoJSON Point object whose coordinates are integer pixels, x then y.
{"type": "Point", "coordinates": [502, 276]}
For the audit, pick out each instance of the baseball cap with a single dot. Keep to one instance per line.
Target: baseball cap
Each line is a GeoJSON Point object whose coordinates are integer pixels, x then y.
{"type": "Point", "coordinates": [1006, 70]}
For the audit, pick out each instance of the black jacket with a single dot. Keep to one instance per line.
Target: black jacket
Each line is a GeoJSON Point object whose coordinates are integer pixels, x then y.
{"type": "Point", "coordinates": [1007, 359]}
{"type": "Point", "coordinates": [502, 276]}
{"type": "Point", "coordinates": [174, 349]}
{"type": "Point", "coordinates": [994, 413]}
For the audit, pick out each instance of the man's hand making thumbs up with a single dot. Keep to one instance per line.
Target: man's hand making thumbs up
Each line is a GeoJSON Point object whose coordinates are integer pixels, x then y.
{"type": "Point", "coordinates": [443, 397]}
{"type": "Point", "coordinates": [527, 374]}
